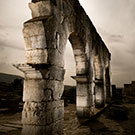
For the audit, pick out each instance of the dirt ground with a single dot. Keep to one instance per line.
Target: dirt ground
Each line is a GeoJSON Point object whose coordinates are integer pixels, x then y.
{"type": "Point", "coordinates": [10, 124]}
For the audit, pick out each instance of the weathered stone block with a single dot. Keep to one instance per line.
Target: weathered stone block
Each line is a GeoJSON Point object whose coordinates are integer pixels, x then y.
{"type": "Point", "coordinates": [34, 118]}
{"type": "Point", "coordinates": [42, 90]}
{"type": "Point", "coordinates": [80, 58]}
{"type": "Point", "coordinates": [85, 112]}
{"type": "Point", "coordinates": [80, 71]}
{"type": "Point", "coordinates": [57, 88]}
{"type": "Point", "coordinates": [55, 104]}
{"type": "Point", "coordinates": [33, 75]}
{"type": "Point", "coordinates": [37, 56]}
{"type": "Point", "coordinates": [80, 111]}
{"type": "Point", "coordinates": [77, 52]}
{"type": "Point", "coordinates": [55, 58]}
{"type": "Point", "coordinates": [81, 79]}
{"type": "Point", "coordinates": [35, 42]}
{"type": "Point", "coordinates": [34, 90]}
{"type": "Point", "coordinates": [69, 25]}
{"type": "Point", "coordinates": [34, 113]}
{"type": "Point", "coordinates": [99, 95]}
{"type": "Point", "coordinates": [53, 73]}
{"type": "Point", "coordinates": [82, 89]}
{"type": "Point", "coordinates": [66, 8]}
{"type": "Point", "coordinates": [58, 93]}
{"type": "Point", "coordinates": [29, 71]}
{"type": "Point", "coordinates": [58, 128]}
{"type": "Point", "coordinates": [58, 113]}
{"type": "Point", "coordinates": [49, 117]}
{"type": "Point", "coordinates": [39, 114]}
{"type": "Point", "coordinates": [83, 101]}
{"type": "Point", "coordinates": [98, 68]}
{"type": "Point", "coordinates": [32, 106]}
{"type": "Point", "coordinates": [42, 8]}
{"type": "Point", "coordinates": [34, 130]}
{"type": "Point", "coordinates": [55, 115]}
{"type": "Point", "coordinates": [55, 85]}
{"type": "Point", "coordinates": [34, 28]}
{"type": "Point", "coordinates": [81, 65]}
{"type": "Point", "coordinates": [55, 128]}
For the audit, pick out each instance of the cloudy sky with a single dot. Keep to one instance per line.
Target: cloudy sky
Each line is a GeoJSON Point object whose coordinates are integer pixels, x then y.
{"type": "Point", "coordinates": [113, 19]}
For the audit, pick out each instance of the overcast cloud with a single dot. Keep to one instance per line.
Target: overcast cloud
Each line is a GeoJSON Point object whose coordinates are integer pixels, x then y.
{"type": "Point", "coordinates": [114, 20]}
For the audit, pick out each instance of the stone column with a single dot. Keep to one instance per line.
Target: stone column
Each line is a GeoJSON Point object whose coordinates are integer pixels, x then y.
{"type": "Point", "coordinates": [83, 97]}
{"type": "Point", "coordinates": [43, 111]}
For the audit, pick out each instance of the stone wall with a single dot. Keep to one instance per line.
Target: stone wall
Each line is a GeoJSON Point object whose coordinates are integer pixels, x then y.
{"type": "Point", "coordinates": [53, 23]}
{"type": "Point", "coordinates": [129, 89]}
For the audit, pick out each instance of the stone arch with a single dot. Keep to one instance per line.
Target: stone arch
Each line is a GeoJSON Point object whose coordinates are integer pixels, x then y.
{"type": "Point", "coordinates": [53, 23]}
{"type": "Point", "coordinates": [83, 98]}
{"type": "Point", "coordinates": [79, 55]}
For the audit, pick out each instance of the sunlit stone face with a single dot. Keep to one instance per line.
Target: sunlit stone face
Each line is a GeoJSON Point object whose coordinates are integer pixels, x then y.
{"type": "Point", "coordinates": [97, 67]}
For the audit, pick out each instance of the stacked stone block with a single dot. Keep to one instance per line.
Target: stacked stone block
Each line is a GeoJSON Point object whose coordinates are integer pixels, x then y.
{"type": "Point", "coordinates": [43, 111]}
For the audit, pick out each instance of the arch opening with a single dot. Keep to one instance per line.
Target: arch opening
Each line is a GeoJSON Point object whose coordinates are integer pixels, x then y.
{"type": "Point", "coordinates": [83, 92]}
{"type": "Point", "coordinates": [70, 65]}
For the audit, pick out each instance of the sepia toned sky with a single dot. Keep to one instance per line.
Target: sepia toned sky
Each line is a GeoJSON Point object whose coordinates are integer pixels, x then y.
{"type": "Point", "coordinates": [113, 19]}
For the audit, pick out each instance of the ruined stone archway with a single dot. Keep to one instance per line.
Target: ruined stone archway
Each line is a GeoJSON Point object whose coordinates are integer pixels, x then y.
{"type": "Point", "coordinates": [53, 23]}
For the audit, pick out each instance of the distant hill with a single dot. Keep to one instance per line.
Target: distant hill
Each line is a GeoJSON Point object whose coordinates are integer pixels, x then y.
{"type": "Point", "coordinates": [8, 77]}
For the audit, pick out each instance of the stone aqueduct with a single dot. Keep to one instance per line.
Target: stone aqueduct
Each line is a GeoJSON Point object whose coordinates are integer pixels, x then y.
{"type": "Point", "coordinates": [53, 23]}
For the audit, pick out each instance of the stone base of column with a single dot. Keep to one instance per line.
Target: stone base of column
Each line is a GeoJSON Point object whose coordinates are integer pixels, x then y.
{"type": "Point", "coordinates": [55, 128]}
{"type": "Point", "coordinates": [45, 118]}
{"type": "Point", "coordinates": [85, 112]}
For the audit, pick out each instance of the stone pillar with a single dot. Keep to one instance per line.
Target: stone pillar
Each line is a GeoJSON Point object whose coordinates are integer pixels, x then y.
{"type": "Point", "coordinates": [43, 111]}
{"type": "Point", "coordinates": [84, 79]}
{"type": "Point", "coordinates": [83, 97]}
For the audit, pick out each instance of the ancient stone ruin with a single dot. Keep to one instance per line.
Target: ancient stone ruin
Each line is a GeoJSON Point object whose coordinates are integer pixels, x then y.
{"type": "Point", "coordinates": [53, 23]}
{"type": "Point", "coordinates": [129, 89]}
{"type": "Point", "coordinates": [129, 92]}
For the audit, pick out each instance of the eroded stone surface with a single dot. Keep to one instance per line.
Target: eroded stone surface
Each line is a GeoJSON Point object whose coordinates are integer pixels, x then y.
{"type": "Point", "coordinates": [35, 42]}
{"type": "Point", "coordinates": [37, 56]}
{"type": "Point", "coordinates": [34, 28]}
{"type": "Point", "coordinates": [42, 90]}
{"type": "Point", "coordinates": [42, 8]}
{"type": "Point", "coordinates": [41, 114]}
